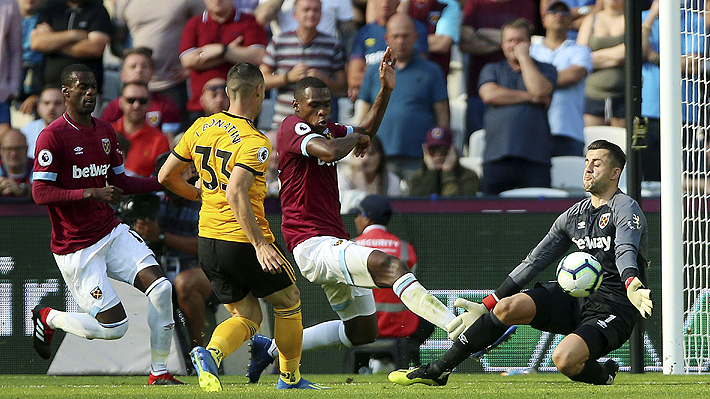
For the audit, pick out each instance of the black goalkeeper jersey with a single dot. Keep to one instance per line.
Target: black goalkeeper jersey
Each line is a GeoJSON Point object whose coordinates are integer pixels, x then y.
{"type": "Point", "coordinates": [614, 233]}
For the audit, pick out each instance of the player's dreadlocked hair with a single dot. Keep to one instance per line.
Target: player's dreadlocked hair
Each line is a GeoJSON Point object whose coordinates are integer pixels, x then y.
{"type": "Point", "coordinates": [69, 73]}
{"type": "Point", "coordinates": [303, 84]}
{"type": "Point", "coordinates": [618, 158]}
{"type": "Point", "coordinates": [243, 77]}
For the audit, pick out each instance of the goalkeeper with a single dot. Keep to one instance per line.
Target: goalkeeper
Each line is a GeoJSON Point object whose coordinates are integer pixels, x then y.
{"type": "Point", "coordinates": [610, 226]}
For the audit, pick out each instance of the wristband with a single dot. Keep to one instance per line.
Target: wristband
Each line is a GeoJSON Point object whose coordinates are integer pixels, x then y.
{"type": "Point", "coordinates": [224, 51]}
{"type": "Point", "coordinates": [490, 301]}
{"type": "Point", "coordinates": [628, 281]}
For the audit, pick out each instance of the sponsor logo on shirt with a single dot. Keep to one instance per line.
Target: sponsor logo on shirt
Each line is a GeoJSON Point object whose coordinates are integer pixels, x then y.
{"type": "Point", "coordinates": [78, 150]}
{"type": "Point", "coordinates": [581, 225]}
{"type": "Point", "coordinates": [374, 58]}
{"type": "Point", "coordinates": [370, 41]}
{"type": "Point", "coordinates": [603, 243]}
{"type": "Point", "coordinates": [44, 158]}
{"type": "Point", "coordinates": [262, 154]}
{"type": "Point", "coordinates": [96, 293]}
{"type": "Point", "coordinates": [92, 170]}
{"type": "Point", "coordinates": [107, 145]}
{"type": "Point", "coordinates": [604, 220]}
{"type": "Point", "coordinates": [153, 118]}
{"type": "Point", "coordinates": [302, 128]}
{"type": "Point", "coordinates": [635, 222]}
{"type": "Point", "coordinates": [604, 323]}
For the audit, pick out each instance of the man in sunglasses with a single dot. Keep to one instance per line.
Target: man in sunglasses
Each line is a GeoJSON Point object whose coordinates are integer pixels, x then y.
{"type": "Point", "coordinates": [147, 142]}
{"type": "Point", "coordinates": [214, 96]}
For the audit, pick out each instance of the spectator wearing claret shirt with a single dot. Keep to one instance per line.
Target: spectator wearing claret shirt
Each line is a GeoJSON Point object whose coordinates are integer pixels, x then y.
{"type": "Point", "coordinates": [147, 142]}
{"type": "Point", "coordinates": [443, 18]}
{"type": "Point", "coordinates": [214, 41]}
{"type": "Point", "coordinates": [138, 67]}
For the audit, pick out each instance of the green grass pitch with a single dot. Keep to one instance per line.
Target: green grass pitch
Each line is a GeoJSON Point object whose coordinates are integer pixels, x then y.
{"type": "Point", "coordinates": [533, 386]}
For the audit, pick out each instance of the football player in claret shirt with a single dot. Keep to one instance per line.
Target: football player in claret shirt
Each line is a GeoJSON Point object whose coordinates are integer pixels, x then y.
{"type": "Point", "coordinates": [608, 225]}
{"type": "Point", "coordinates": [236, 247]}
{"type": "Point", "coordinates": [78, 173]}
{"type": "Point", "coordinates": [309, 147]}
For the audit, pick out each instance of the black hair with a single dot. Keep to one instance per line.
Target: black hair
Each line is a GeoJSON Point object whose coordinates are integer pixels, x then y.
{"type": "Point", "coordinates": [308, 82]}
{"type": "Point", "coordinates": [69, 73]}
{"type": "Point", "coordinates": [618, 158]}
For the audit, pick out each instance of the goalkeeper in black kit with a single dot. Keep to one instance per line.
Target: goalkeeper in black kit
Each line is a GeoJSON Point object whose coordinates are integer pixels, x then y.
{"type": "Point", "coordinates": [610, 226]}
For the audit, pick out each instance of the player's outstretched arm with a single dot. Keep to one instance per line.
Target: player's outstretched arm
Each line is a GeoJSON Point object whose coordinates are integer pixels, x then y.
{"type": "Point", "coordinates": [337, 149]}
{"type": "Point", "coordinates": [639, 296]}
{"type": "Point", "coordinates": [237, 195]}
{"type": "Point", "coordinates": [169, 176]}
{"type": "Point", "coordinates": [371, 122]}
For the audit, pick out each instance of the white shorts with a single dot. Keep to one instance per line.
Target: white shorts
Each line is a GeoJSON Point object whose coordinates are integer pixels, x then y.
{"type": "Point", "coordinates": [340, 267]}
{"type": "Point", "coordinates": [120, 255]}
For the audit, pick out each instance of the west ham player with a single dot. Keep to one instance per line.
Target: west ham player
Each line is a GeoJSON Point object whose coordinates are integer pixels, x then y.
{"type": "Point", "coordinates": [236, 247]}
{"type": "Point", "coordinates": [309, 147]}
{"type": "Point", "coordinates": [608, 225]}
{"type": "Point", "coordinates": [78, 172]}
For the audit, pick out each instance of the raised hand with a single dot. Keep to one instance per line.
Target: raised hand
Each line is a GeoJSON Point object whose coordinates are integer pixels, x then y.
{"type": "Point", "coordinates": [362, 145]}
{"type": "Point", "coordinates": [387, 69]}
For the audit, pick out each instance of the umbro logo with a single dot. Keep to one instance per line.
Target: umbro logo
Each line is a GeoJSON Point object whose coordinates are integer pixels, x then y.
{"type": "Point", "coordinates": [78, 150]}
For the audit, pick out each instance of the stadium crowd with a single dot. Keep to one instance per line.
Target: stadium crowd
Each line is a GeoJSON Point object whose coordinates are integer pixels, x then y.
{"type": "Point", "coordinates": [527, 75]}
{"type": "Point", "coordinates": [444, 48]}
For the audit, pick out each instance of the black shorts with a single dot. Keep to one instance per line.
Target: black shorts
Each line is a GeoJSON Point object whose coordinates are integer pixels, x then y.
{"type": "Point", "coordinates": [234, 270]}
{"type": "Point", "coordinates": [603, 326]}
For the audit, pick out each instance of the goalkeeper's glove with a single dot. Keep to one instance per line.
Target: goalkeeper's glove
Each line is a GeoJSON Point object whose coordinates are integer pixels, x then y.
{"type": "Point", "coordinates": [639, 296]}
{"type": "Point", "coordinates": [474, 311]}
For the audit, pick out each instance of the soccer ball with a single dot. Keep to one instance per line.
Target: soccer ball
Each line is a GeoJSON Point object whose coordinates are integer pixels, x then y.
{"type": "Point", "coordinates": [579, 274]}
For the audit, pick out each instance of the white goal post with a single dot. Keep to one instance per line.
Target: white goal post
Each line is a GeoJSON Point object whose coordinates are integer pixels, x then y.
{"type": "Point", "coordinates": [685, 218]}
{"type": "Point", "coordinates": [671, 188]}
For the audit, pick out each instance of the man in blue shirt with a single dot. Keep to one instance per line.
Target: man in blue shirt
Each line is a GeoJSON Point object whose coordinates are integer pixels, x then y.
{"type": "Point", "coordinates": [369, 45]}
{"type": "Point", "coordinates": [418, 102]}
{"type": "Point", "coordinates": [517, 92]}
{"type": "Point", "coordinates": [573, 63]}
{"type": "Point", "coordinates": [651, 94]}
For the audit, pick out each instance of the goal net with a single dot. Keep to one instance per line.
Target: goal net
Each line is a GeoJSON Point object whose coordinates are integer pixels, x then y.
{"type": "Point", "coordinates": [695, 77]}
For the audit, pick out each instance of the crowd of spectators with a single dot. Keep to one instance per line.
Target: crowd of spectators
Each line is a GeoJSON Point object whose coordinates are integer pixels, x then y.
{"type": "Point", "coordinates": [172, 62]}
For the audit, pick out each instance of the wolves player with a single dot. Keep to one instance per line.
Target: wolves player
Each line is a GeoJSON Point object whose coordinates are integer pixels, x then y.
{"type": "Point", "coordinates": [236, 247]}
{"type": "Point", "coordinates": [78, 172]}
{"type": "Point", "coordinates": [608, 225]}
{"type": "Point", "coordinates": [309, 147]}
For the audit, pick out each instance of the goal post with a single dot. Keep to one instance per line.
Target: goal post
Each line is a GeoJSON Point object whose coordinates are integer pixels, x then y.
{"type": "Point", "coordinates": [672, 246]}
